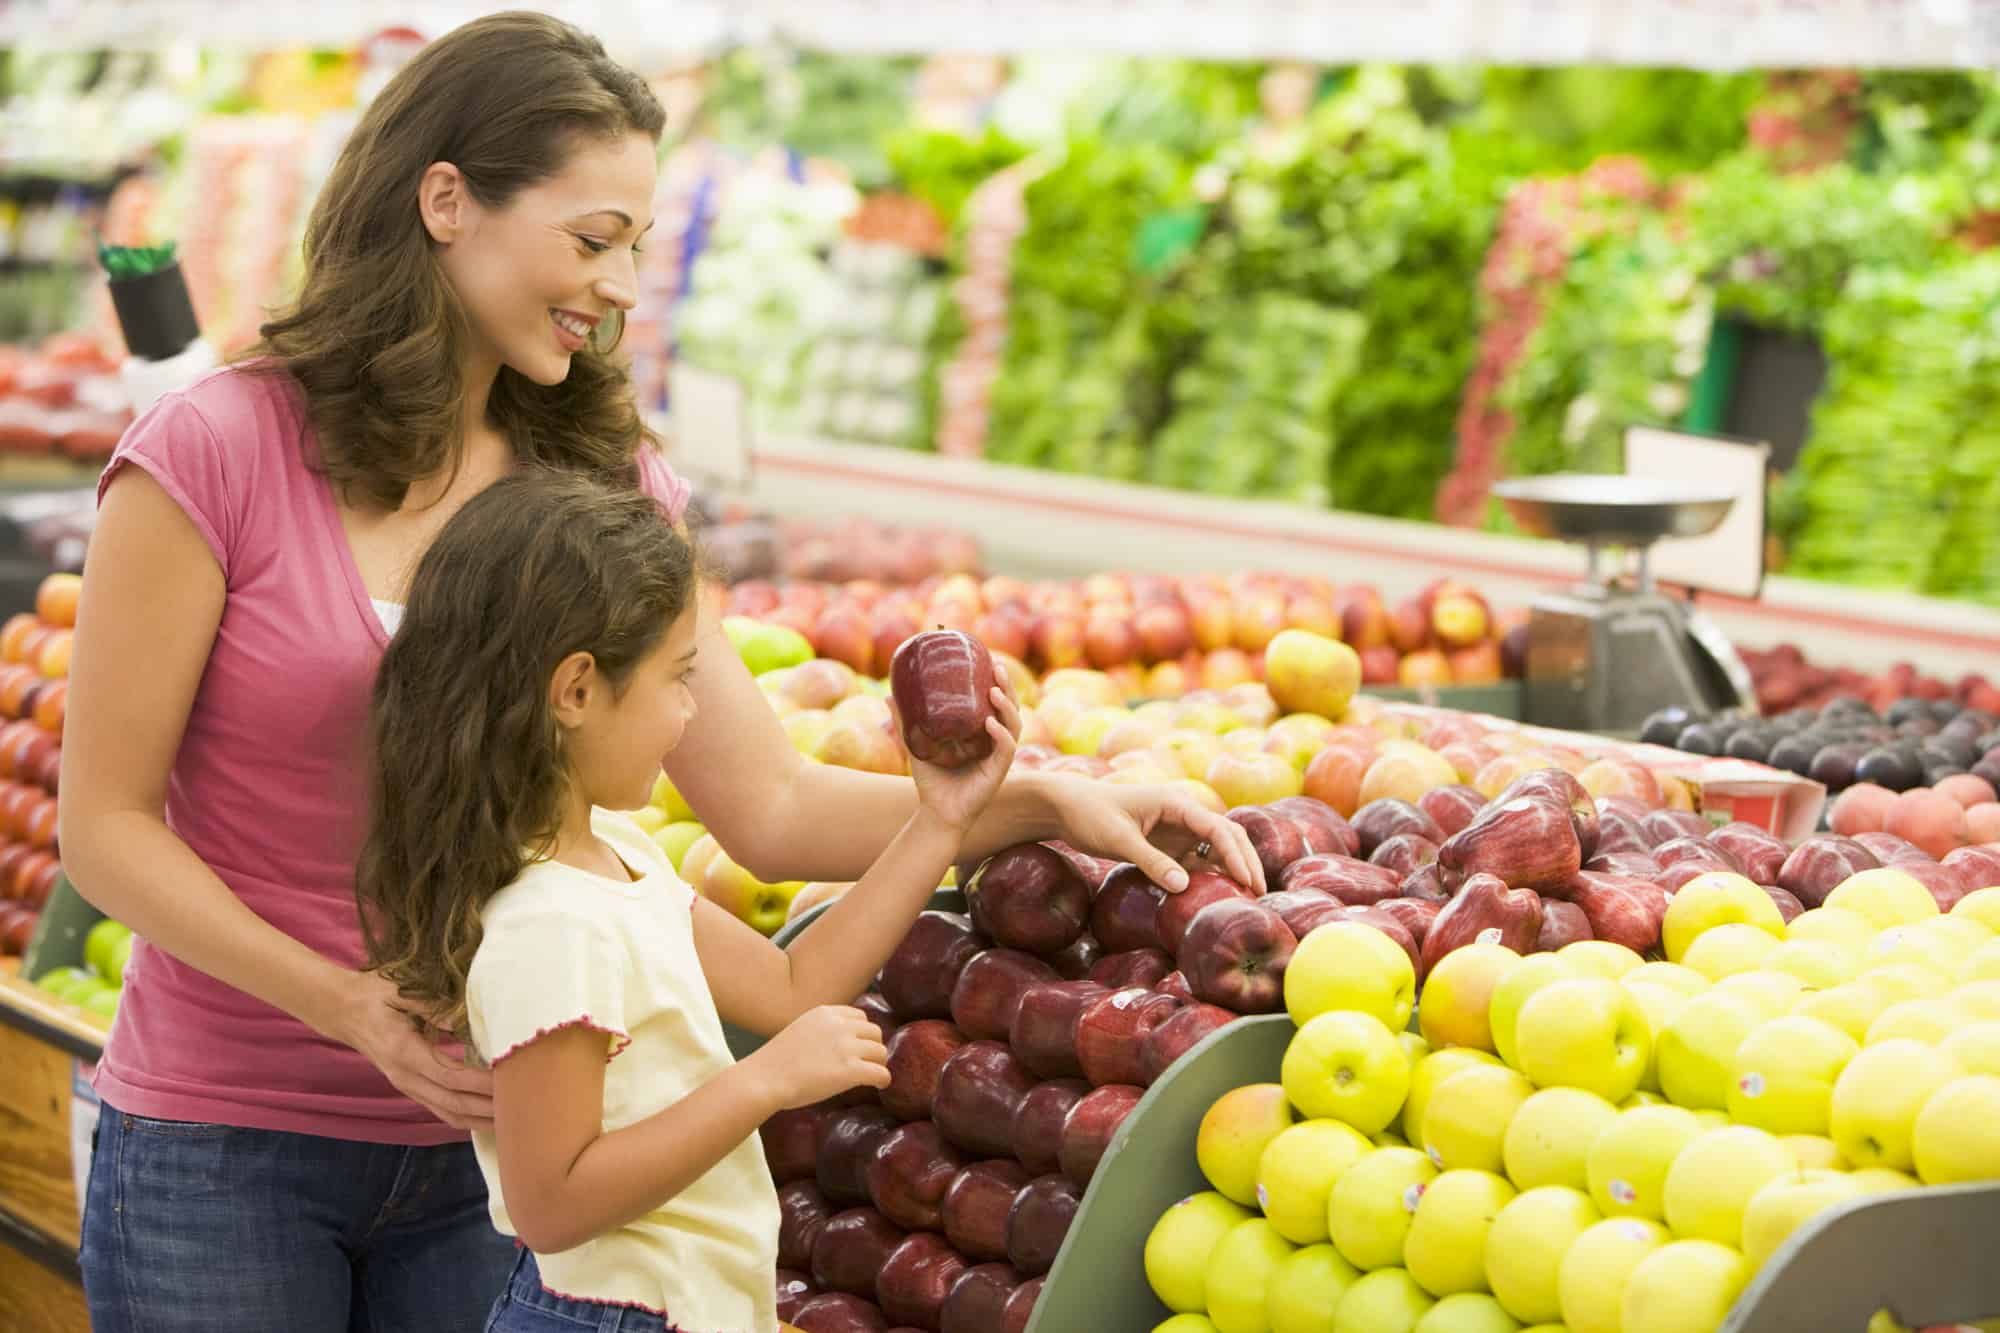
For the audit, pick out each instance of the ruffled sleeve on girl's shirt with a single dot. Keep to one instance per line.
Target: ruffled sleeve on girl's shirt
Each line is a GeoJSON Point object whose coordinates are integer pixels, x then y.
{"type": "Point", "coordinates": [537, 973]}
{"type": "Point", "coordinates": [660, 481]}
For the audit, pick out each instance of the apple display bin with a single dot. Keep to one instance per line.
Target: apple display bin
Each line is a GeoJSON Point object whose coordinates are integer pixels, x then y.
{"type": "Point", "coordinates": [59, 935]}
{"type": "Point", "coordinates": [1502, 700]}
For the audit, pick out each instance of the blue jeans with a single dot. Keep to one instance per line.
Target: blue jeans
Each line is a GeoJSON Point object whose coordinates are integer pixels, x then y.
{"type": "Point", "coordinates": [198, 1228]}
{"type": "Point", "coordinates": [529, 1307]}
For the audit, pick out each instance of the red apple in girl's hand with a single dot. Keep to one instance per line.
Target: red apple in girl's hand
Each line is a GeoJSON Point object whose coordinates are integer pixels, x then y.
{"type": "Point", "coordinates": [943, 684]}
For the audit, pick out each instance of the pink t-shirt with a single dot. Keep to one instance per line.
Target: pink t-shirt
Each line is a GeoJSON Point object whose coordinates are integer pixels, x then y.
{"type": "Point", "coordinates": [269, 786]}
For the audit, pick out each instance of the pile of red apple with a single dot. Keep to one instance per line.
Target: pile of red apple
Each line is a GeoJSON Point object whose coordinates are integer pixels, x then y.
{"type": "Point", "coordinates": [1159, 636]}
{"type": "Point", "coordinates": [61, 397]}
{"type": "Point", "coordinates": [34, 688]}
{"type": "Point", "coordinates": [1785, 680]}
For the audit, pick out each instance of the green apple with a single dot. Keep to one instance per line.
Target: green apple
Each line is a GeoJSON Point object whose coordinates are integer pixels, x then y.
{"type": "Point", "coordinates": [1725, 951]}
{"type": "Point", "coordinates": [668, 798]}
{"type": "Point", "coordinates": [741, 894]}
{"type": "Point", "coordinates": [1712, 1179]}
{"type": "Point", "coordinates": [1885, 896]}
{"type": "Point", "coordinates": [67, 983]}
{"type": "Point", "coordinates": [1835, 925]}
{"type": "Point", "coordinates": [1504, 1010]}
{"type": "Point", "coordinates": [1820, 964]}
{"type": "Point", "coordinates": [651, 818]}
{"type": "Point", "coordinates": [1186, 1323]}
{"type": "Point", "coordinates": [1368, 1214]}
{"type": "Point", "coordinates": [1445, 1250]}
{"type": "Point", "coordinates": [1548, 1140]}
{"type": "Point", "coordinates": [1670, 975]}
{"type": "Point", "coordinates": [1629, 1159]}
{"type": "Point", "coordinates": [121, 958]}
{"type": "Point", "coordinates": [1590, 1282]}
{"type": "Point", "coordinates": [1296, 1175]}
{"type": "Point", "coordinates": [1181, 1244]}
{"type": "Point", "coordinates": [1525, 1249]}
{"type": "Point", "coordinates": [1659, 1004]}
{"type": "Point", "coordinates": [1387, 1300]}
{"type": "Point", "coordinates": [1348, 965]}
{"type": "Point", "coordinates": [102, 1001]}
{"type": "Point", "coordinates": [1233, 1135]}
{"type": "Point", "coordinates": [1957, 1135]}
{"type": "Point", "coordinates": [1588, 1034]}
{"type": "Point", "coordinates": [1307, 1288]}
{"type": "Point", "coordinates": [1697, 1048]}
{"type": "Point", "coordinates": [1465, 1126]}
{"type": "Point", "coordinates": [1708, 901]}
{"type": "Point", "coordinates": [1458, 995]}
{"type": "Point", "coordinates": [1468, 1312]}
{"type": "Point", "coordinates": [1239, 1276]}
{"type": "Point", "coordinates": [1347, 1066]}
{"type": "Point", "coordinates": [676, 838]}
{"type": "Point", "coordinates": [1430, 1071]}
{"type": "Point", "coordinates": [1878, 1095]}
{"type": "Point", "coordinates": [1684, 1287]}
{"type": "Point", "coordinates": [1600, 958]}
{"type": "Point", "coordinates": [1851, 1006]}
{"type": "Point", "coordinates": [1975, 1048]}
{"type": "Point", "coordinates": [1927, 1021]}
{"type": "Point", "coordinates": [100, 943]}
{"type": "Point", "coordinates": [1788, 1203]}
{"type": "Point", "coordinates": [766, 647]}
{"type": "Point", "coordinates": [1784, 1073]}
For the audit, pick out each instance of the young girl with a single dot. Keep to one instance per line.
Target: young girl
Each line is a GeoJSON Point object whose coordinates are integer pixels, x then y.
{"type": "Point", "coordinates": [539, 675]}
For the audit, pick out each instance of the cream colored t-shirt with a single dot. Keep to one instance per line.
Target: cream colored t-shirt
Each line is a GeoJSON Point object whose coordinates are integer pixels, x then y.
{"type": "Point", "coordinates": [565, 948]}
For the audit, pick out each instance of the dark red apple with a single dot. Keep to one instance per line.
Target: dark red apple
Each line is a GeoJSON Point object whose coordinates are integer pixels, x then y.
{"type": "Point", "coordinates": [1029, 898]}
{"type": "Point", "coordinates": [1177, 909]}
{"type": "Point", "coordinates": [1356, 883]}
{"type": "Point", "coordinates": [878, 1011]}
{"type": "Point", "coordinates": [1818, 866]}
{"type": "Point", "coordinates": [1789, 908]}
{"type": "Point", "coordinates": [1036, 1134]}
{"type": "Point", "coordinates": [791, 1143]}
{"type": "Point", "coordinates": [838, 1312]}
{"type": "Point", "coordinates": [1135, 967]}
{"type": "Point", "coordinates": [1620, 832]}
{"type": "Point", "coordinates": [1378, 821]}
{"type": "Point", "coordinates": [802, 1214]}
{"type": "Point", "coordinates": [1761, 854]}
{"type": "Point", "coordinates": [1425, 883]}
{"type": "Point", "coordinates": [1712, 855]}
{"type": "Point", "coordinates": [1303, 910]}
{"type": "Point", "coordinates": [1945, 882]}
{"type": "Point", "coordinates": [917, 1277]}
{"type": "Point", "coordinates": [978, 1300]}
{"type": "Point", "coordinates": [794, 1290]}
{"type": "Point", "coordinates": [920, 975]}
{"type": "Point", "coordinates": [1391, 924]}
{"type": "Point", "coordinates": [847, 1143]}
{"type": "Point", "coordinates": [909, 1174]}
{"type": "Point", "coordinates": [1110, 1033]}
{"type": "Point", "coordinates": [1404, 855]}
{"type": "Point", "coordinates": [1021, 1306]}
{"type": "Point", "coordinates": [917, 1054]}
{"type": "Point", "coordinates": [1276, 839]}
{"type": "Point", "coordinates": [1092, 870]}
{"type": "Point", "coordinates": [1891, 850]}
{"type": "Point", "coordinates": [1667, 825]}
{"type": "Point", "coordinates": [851, 1250]}
{"type": "Point", "coordinates": [1414, 914]}
{"type": "Point", "coordinates": [1325, 829]}
{"type": "Point", "coordinates": [1562, 923]}
{"type": "Point", "coordinates": [1633, 865]}
{"type": "Point", "coordinates": [1183, 1030]}
{"type": "Point", "coordinates": [976, 1206]}
{"type": "Point", "coordinates": [1123, 913]}
{"type": "Point", "coordinates": [1043, 1036]}
{"type": "Point", "coordinates": [1234, 955]}
{"type": "Point", "coordinates": [1074, 962]}
{"type": "Point", "coordinates": [1038, 1221]}
{"type": "Point", "coordinates": [978, 1092]}
{"type": "Point", "coordinates": [1452, 807]}
{"type": "Point", "coordinates": [1175, 984]}
{"type": "Point", "coordinates": [1091, 1125]}
{"type": "Point", "coordinates": [989, 991]}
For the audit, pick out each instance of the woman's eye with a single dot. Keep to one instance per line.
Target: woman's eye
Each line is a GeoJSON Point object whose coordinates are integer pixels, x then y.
{"type": "Point", "coordinates": [595, 247]}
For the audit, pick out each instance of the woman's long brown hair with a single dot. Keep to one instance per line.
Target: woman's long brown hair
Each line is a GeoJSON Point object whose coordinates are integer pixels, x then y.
{"type": "Point", "coordinates": [468, 777]}
{"type": "Point", "coordinates": [374, 335]}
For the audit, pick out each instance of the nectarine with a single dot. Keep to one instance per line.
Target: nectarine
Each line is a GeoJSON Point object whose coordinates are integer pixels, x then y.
{"type": "Point", "coordinates": [1927, 819]}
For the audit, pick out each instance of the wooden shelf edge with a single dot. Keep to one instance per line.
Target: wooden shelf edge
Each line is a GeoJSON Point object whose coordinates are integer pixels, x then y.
{"type": "Point", "coordinates": [57, 1258]}
{"type": "Point", "coordinates": [40, 1014]}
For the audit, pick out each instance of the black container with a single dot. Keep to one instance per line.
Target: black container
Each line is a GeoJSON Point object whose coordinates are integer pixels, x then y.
{"type": "Point", "coordinates": [155, 313]}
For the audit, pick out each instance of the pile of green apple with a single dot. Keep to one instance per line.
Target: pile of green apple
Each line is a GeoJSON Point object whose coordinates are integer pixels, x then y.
{"type": "Point", "coordinates": [1584, 1139]}
{"type": "Point", "coordinates": [96, 986]}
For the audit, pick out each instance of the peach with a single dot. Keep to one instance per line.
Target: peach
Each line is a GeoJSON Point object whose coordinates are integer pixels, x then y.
{"type": "Point", "coordinates": [1621, 777]}
{"type": "Point", "coordinates": [1468, 757]}
{"type": "Point", "coordinates": [1982, 821]}
{"type": "Point", "coordinates": [1500, 773]}
{"type": "Point", "coordinates": [1927, 818]}
{"type": "Point", "coordinates": [1334, 777]}
{"type": "Point", "coordinates": [1968, 789]}
{"type": "Point", "coordinates": [1862, 808]}
{"type": "Point", "coordinates": [53, 660]}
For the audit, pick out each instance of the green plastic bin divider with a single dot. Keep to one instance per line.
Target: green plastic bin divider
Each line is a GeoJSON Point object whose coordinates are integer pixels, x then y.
{"type": "Point", "coordinates": [58, 940]}
{"type": "Point", "coordinates": [1715, 385]}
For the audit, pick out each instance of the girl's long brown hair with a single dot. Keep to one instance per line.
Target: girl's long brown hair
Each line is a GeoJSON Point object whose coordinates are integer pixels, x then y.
{"type": "Point", "coordinates": [468, 775]}
{"type": "Point", "coordinates": [374, 336]}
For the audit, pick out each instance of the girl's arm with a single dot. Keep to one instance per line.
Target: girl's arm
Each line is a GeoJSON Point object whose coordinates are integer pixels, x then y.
{"type": "Point", "coordinates": [152, 599]}
{"type": "Point", "coordinates": [565, 1180]}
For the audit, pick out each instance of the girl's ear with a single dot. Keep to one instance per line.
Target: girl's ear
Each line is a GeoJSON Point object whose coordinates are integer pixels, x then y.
{"type": "Point", "coordinates": [569, 689]}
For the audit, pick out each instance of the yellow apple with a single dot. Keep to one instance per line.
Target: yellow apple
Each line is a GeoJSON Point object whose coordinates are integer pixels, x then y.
{"type": "Point", "coordinates": [1877, 1098]}
{"type": "Point", "coordinates": [1458, 995]}
{"type": "Point", "coordinates": [1233, 1135]}
{"type": "Point", "coordinates": [1713, 1178]}
{"type": "Point", "coordinates": [1467, 1312]}
{"type": "Point", "coordinates": [1820, 964]}
{"type": "Point", "coordinates": [1185, 1323]}
{"type": "Point", "coordinates": [1182, 1242]}
{"type": "Point", "coordinates": [1193, 750]}
{"type": "Point", "coordinates": [1645, 1098]}
{"type": "Point", "coordinates": [812, 895]}
{"type": "Point", "coordinates": [1928, 1021]}
{"type": "Point", "coordinates": [1253, 779]}
{"type": "Point", "coordinates": [669, 799]}
{"type": "Point", "coordinates": [676, 839]}
{"type": "Point", "coordinates": [1659, 1004]}
{"type": "Point", "coordinates": [1588, 1034]}
{"type": "Point", "coordinates": [1352, 966]}
{"type": "Point", "coordinates": [1850, 1006]}
{"type": "Point", "coordinates": [1684, 1287]}
{"type": "Point", "coordinates": [650, 818]}
{"type": "Point", "coordinates": [1814, 1152]}
{"type": "Point", "coordinates": [1239, 1276]}
{"type": "Point", "coordinates": [1883, 1180]}
{"type": "Point", "coordinates": [1385, 1301]}
{"type": "Point", "coordinates": [1297, 1173]}
{"type": "Point", "coordinates": [1347, 1066]}
{"type": "Point", "coordinates": [1906, 981]}
{"type": "Point", "coordinates": [1937, 944]}
{"type": "Point", "coordinates": [1307, 1287]}
{"type": "Point", "coordinates": [1783, 1075]}
{"type": "Point", "coordinates": [741, 894]}
{"type": "Point", "coordinates": [1775, 993]}
{"type": "Point", "coordinates": [1957, 1134]}
{"type": "Point", "coordinates": [1672, 976]}
{"type": "Point", "coordinates": [1981, 905]}
{"type": "Point", "coordinates": [1601, 958]}
{"type": "Point", "coordinates": [1590, 1281]}
{"type": "Point", "coordinates": [1978, 1000]}
{"type": "Point", "coordinates": [1975, 1048]}
{"type": "Point", "coordinates": [1717, 898]}
{"type": "Point", "coordinates": [1446, 1248]}
{"type": "Point", "coordinates": [1834, 925]}
{"type": "Point", "coordinates": [1886, 896]}
{"type": "Point", "coordinates": [1549, 1139]}
{"type": "Point", "coordinates": [1786, 1204]}
{"type": "Point", "coordinates": [1512, 991]}
{"type": "Point", "coordinates": [1310, 673]}
{"type": "Point", "coordinates": [1368, 1214]}
{"type": "Point", "coordinates": [1389, 1138]}
{"type": "Point", "coordinates": [1466, 1122]}
{"type": "Point", "coordinates": [1698, 1047]}
{"type": "Point", "coordinates": [1425, 1075]}
{"type": "Point", "coordinates": [1525, 1249]}
{"type": "Point", "coordinates": [1628, 1162]}
{"type": "Point", "coordinates": [1725, 951]}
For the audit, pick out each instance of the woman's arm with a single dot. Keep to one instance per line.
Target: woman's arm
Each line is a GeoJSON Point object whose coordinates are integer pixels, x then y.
{"type": "Point", "coordinates": [152, 599]}
{"type": "Point", "coordinates": [783, 817]}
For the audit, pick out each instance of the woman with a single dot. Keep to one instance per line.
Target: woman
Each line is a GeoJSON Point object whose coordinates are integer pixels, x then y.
{"type": "Point", "coordinates": [281, 1147]}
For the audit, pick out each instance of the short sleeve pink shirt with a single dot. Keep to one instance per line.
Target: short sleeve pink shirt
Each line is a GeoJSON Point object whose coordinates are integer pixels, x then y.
{"type": "Point", "coordinates": [269, 786]}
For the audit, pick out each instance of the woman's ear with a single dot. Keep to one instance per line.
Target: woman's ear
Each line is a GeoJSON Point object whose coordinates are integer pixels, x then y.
{"type": "Point", "coordinates": [570, 687]}
{"type": "Point", "coordinates": [444, 202]}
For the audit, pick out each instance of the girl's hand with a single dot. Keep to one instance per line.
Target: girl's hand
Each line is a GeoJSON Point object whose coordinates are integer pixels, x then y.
{"type": "Point", "coordinates": [957, 796]}
{"type": "Point", "coordinates": [1155, 828]}
{"type": "Point", "coordinates": [820, 1054]}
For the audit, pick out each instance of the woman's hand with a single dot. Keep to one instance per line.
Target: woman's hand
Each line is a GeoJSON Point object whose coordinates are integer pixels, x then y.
{"type": "Point", "coordinates": [380, 1028]}
{"type": "Point", "coordinates": [1155, 828]}
{"type": "Point", "coordinates": [956, 797]}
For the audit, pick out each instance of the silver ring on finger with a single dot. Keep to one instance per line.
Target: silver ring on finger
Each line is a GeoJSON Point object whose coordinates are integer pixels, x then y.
{"type": "Point", "coordinates": [1203, 848]}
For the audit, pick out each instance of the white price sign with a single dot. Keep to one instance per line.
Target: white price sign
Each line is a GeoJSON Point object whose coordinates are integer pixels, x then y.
{"type": "Point", "coordinates": [709, 418]}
